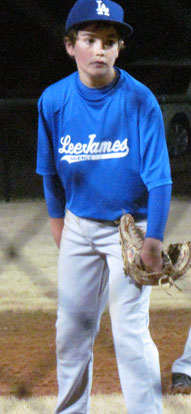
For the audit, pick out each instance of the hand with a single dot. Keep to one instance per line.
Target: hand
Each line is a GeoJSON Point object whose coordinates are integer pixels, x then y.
{"type": "Point", "coordinates": [151, 255]}
{"type": "Point", "coordinates": [56, 226]}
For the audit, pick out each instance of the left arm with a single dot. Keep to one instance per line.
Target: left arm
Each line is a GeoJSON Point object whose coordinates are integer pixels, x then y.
{"type": "Point", "coordinates": [156, 175]}
{"type": "Point", "coordinates": [158, 209]}
{"type": "Point", "coordinates": [151, 255]}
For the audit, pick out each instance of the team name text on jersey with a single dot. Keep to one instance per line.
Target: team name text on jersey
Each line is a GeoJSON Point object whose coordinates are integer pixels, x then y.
{"type": "Point", "coordinates": [92, 150]}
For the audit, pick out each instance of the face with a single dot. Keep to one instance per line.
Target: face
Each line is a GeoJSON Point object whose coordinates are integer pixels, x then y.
{"type": "Point", "coordinates": [95, 52]}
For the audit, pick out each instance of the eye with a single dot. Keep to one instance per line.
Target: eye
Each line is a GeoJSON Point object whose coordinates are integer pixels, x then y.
{"type": "Point", "coordinates": [89, 40]}
{"type": "Point", "coordinates": [110, 42]}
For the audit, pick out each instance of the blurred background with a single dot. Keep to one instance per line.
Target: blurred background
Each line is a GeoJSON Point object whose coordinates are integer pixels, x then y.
{"type": "Point", "coordinates": [33, 57]}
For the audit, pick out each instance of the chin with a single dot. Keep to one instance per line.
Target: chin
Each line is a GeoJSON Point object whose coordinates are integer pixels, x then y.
{"type": "Point", "coordinates": [99, 73]}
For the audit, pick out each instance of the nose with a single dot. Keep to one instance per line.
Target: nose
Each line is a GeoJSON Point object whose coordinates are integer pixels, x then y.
{"type": "Point", "coordinates": [99, 47]}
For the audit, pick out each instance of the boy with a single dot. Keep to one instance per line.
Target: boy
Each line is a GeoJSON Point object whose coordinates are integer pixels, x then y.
{"type": "Point", "coordinates": [102, 151]}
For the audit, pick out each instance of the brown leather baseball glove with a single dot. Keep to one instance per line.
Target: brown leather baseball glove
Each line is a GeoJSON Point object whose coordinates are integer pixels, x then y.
{"type": "Point", "coordinates": [176, 257]}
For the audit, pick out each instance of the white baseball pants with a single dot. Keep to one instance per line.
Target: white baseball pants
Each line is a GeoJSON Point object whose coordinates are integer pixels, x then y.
{"type": "Point", "coordinates": [90, 275]}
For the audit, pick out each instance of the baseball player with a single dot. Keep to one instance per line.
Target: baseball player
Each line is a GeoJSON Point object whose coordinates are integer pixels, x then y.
{"type": "Point", "coordinates": [102, 151]}
{"type": "Point", "coordinates": [181, 370]}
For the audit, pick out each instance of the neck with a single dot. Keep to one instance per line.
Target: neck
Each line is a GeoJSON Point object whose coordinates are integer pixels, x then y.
{"type": "Point", "coordinates": [98, 82]}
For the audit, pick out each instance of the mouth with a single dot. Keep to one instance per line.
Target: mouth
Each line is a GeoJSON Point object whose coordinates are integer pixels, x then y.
{"type": "Point", "coordinates": [99, 63]}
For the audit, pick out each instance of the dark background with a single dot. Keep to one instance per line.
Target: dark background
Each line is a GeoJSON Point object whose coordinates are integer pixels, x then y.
{"type": "Point", "coordinates": [32, 39]}
{"type": "Point", "coordinates": [33, 57]}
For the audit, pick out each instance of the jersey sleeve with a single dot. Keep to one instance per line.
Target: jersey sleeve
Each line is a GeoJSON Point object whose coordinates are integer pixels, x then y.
{"type": "Point", "coordinates": [45, 153]}
{"type": "Point", "coordinates": [155, 165]}
{"type": "Point", "coordinates": [54, 196]}
{"type": "Point", "coordinates": [158, 210]}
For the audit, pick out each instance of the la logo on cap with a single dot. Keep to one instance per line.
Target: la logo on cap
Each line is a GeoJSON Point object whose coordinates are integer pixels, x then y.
{"type": "Point", "coordinates": [102, 9]}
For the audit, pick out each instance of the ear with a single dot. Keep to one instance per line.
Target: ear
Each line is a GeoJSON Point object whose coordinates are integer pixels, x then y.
{"type": "Point", "coordinates": [69, 46]}
{"type": "Point", "coordinates": [121, 45]}
{"type": "Point", "coordinates": [117, 53]}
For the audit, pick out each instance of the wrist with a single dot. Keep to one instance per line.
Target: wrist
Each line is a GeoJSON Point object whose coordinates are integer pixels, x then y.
{"type": "Point", "coordinates": [152, 246]}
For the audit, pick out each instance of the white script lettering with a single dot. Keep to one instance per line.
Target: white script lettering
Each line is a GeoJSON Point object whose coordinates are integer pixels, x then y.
{"type": "Point", "coordinates": [101, 150]}
{"type": "Point", "coordinates": [102, 9]}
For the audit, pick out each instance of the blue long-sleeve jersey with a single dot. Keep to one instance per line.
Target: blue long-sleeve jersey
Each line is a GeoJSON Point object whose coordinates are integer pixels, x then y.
{"type": "Point", "coordinates": [106, 145]}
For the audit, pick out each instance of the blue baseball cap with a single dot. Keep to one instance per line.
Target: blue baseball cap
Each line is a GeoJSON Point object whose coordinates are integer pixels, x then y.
{"type": "Point", "coordinates": [96, 10]}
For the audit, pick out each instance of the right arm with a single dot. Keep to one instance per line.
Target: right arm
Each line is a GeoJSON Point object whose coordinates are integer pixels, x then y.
{"type": "Point", "coordinates": [53, 188]}
{"type": "Point", "coordinates": [56, 227]}
{"type": "Point", "coordinates": [55, 201]}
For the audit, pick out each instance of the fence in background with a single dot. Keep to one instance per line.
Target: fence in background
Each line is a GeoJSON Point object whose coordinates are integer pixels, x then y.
{"type": "Point", "coordinates": [19, 120]}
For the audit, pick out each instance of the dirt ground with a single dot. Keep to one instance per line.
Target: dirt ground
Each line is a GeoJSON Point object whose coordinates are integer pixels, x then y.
{"type": "Point", "coordinates": [27, 333]}
{"type": "Point", "coordinates": [28, 365]}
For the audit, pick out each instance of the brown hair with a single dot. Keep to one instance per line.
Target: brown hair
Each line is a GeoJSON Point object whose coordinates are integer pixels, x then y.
{"type": "Point", "coordinates": [73, 32]}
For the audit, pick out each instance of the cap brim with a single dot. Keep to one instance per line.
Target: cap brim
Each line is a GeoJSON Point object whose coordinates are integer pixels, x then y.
{"type": "Point", "coordinates": [126, 29]}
